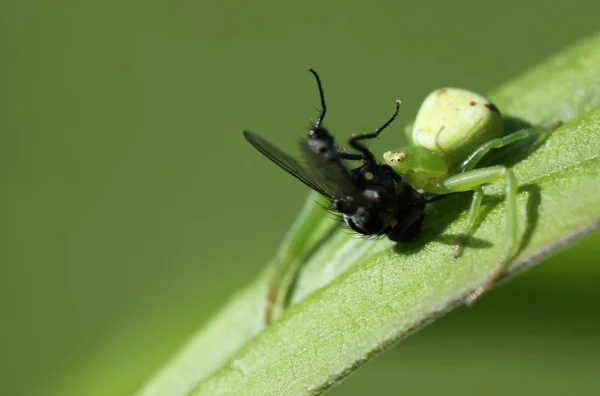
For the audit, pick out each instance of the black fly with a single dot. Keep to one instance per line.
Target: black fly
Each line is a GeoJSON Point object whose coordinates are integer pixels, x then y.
{"type": "Point", "coordinates": [372, 198]}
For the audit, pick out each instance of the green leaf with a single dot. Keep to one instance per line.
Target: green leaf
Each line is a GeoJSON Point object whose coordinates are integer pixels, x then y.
{"type": "Point", "coordinates": [355, 298]}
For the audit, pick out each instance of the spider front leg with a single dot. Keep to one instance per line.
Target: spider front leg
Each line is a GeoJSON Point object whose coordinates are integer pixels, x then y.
{"type": "Point", "coordinates": [481, 151]}
{"type": "Point", "coordinates": [474, 180]}
{"type": "Point", "coordinates": [469, 228]}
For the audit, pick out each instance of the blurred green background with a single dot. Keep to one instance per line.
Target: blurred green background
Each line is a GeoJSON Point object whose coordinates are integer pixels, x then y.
{"type": "Point", "coordinates": [132, 207]}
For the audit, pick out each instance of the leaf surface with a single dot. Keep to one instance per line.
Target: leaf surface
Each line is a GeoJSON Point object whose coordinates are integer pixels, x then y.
{"type": "Point", "coordinates": [354, 298]}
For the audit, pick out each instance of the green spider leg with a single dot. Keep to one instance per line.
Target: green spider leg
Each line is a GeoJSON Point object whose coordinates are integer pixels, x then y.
{"type": "Point", "coordinates": [465, 169]}
{"type": "Point", "coordinates": [473, 181]}
{"type": "Point", "coordinates": [473, 159]}
{"type": "Point", "coordinates": [469, 227]}
{"type": "Point", "coordinates": [471, 162]}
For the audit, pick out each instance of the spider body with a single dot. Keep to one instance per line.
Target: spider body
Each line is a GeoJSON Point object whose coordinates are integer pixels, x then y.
{"type": "Point", "coordinates": [454, 129]}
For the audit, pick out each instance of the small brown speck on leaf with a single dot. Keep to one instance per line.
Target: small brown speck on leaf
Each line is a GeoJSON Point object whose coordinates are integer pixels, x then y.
{"type": "Point", "coordinates": [441, 91]}
{"type": "Point", "coordinates": [472, 103]}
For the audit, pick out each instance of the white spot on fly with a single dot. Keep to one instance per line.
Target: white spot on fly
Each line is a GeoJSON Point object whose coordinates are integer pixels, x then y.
{"type": "Point", "coordinates": [372, 195]}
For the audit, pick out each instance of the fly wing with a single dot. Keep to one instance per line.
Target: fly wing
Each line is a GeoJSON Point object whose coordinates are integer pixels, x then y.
{"type": "Point", "coordinates": [331, 172]}
{"type": "Point", "coordinates": [288, 163]}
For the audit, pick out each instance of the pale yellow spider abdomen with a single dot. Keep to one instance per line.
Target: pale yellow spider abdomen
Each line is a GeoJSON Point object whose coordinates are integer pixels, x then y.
{"type": "Point", "coordinates": [453, 122]}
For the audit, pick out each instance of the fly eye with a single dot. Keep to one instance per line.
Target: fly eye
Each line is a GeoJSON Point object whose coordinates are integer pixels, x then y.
{"type": "Point", "coordinates": [371, 223]}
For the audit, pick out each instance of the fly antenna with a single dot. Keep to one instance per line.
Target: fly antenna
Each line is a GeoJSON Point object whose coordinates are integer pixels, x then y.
{"type": "Point", "coordinates": [321, 95]}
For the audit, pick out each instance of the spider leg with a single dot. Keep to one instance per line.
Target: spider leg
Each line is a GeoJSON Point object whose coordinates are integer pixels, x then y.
{"type": "Point", "coordinates": [473, 180]}
{"type": "Point", "coordinates": [479, 153]}
{"type": "Point", "coordinates": [469, 228]}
